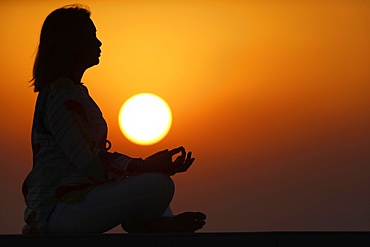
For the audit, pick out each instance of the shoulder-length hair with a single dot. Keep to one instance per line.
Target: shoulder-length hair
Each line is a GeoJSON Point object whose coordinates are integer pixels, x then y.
{"type": "Point", "coordinates": [60, 40]}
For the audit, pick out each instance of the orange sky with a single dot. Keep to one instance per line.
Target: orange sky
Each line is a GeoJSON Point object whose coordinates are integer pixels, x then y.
{"type": "Point", "coordinates": [272, 97]}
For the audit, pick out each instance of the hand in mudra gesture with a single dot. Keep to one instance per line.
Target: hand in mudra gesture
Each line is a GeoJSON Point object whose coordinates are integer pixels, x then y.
{"type": "Point", "coordinates": [162, 161]}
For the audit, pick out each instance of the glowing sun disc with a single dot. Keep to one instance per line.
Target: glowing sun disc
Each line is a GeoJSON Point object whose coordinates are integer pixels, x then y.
{"type": "Point", "coordinates": [145, 119]}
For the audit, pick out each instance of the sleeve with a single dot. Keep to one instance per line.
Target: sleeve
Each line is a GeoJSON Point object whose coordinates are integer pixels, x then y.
{"type": "Point", "coordinates": [117, 164]}
{"type": "Point", "coordinates": [67, 121]}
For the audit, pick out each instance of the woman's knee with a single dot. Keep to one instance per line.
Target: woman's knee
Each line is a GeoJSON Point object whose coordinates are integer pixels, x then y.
{"type": "Point", "coordinates": [162, 182]}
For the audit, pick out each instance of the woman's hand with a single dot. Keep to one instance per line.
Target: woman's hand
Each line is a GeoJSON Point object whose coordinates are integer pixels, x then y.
{"type": "Point", "coordinates": [162, 161]}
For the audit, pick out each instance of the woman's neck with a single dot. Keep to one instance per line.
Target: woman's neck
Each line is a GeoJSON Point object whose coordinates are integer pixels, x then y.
{"type": "Point", "coordinates": [76, 75]}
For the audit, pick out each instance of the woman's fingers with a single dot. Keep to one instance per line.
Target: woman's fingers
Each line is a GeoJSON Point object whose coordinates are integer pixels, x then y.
{"type": "Point", "coordinates": [183, 167]}
{"type": "Point", "coordinates": [163, 160]}
{"type": "Point", "coordinates": [189, 161]}
{"type": "Point", "coordinates": [180, 159]}
{"type": "Point", "coordinates": [178, 150]}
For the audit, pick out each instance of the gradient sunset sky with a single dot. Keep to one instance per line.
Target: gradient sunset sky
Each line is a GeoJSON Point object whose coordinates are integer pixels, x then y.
{"type": "Point", "coordinates": [272, 97]}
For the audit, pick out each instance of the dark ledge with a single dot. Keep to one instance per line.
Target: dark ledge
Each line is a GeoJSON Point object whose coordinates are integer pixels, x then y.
{"type": "Point", "coordinates": [299, 239]}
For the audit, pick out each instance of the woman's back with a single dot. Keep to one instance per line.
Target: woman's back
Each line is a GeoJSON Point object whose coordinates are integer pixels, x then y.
{"type": "Point", "coordinates": [64, 107]}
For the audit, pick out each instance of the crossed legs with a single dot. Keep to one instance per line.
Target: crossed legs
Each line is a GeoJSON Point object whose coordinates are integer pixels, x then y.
{"type": "Point", "coordinates": [137, 203]}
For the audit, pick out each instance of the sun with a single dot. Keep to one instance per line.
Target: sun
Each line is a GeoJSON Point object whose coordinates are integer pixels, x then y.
{"type": "Point", "coordinates": [145, 119]}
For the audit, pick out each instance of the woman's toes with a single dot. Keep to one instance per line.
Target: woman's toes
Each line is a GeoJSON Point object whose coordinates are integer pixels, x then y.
{"type": "Point", "coordinates": [200, 216]}
{"type": "Point", "coordinates": [184, 222]}
{"type": "Point", "coordinates": [192, 221]}
{"type": "Point", "coordinates": [192, 215]}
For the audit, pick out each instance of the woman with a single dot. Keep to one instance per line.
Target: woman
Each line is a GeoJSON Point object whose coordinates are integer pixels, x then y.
{"type": "Point", "coordinates": [76, 185]}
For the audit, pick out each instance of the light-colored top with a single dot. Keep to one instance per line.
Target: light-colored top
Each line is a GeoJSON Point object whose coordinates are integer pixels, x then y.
{"type": "Point", "coordinates": [69, 137]}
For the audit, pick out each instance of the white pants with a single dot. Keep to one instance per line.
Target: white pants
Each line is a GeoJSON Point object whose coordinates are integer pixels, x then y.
{"type": "Point", "coordinates": [131, 201]}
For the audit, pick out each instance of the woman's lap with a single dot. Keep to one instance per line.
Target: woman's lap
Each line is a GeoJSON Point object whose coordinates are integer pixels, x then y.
{"type": "Point", "coordinates": [134, 200]}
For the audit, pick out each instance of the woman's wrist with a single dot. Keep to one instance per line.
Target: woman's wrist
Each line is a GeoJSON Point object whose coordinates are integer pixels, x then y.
{"type": "Point", "coordinates": [135, 165]}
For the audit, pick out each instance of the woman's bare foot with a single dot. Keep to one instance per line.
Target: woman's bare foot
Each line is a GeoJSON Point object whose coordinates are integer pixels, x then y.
{"type": "Point", "coordinates": [184, 222]}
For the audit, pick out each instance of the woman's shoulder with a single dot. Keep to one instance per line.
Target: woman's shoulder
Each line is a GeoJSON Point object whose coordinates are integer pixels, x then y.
{"type": "Point", "coordinates": [64, 85]}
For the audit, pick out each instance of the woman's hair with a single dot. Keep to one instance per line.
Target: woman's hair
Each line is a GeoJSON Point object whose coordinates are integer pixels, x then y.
{"type": "Point", "coordinates": [61, 39]}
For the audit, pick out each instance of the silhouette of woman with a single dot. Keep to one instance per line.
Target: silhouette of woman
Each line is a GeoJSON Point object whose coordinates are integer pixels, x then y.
{"type": "Point", "coordinates": [76, 185]}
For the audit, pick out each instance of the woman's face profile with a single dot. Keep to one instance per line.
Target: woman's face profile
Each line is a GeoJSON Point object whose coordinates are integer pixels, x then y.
{"type": "Point", "coordinates": [90, 50]}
